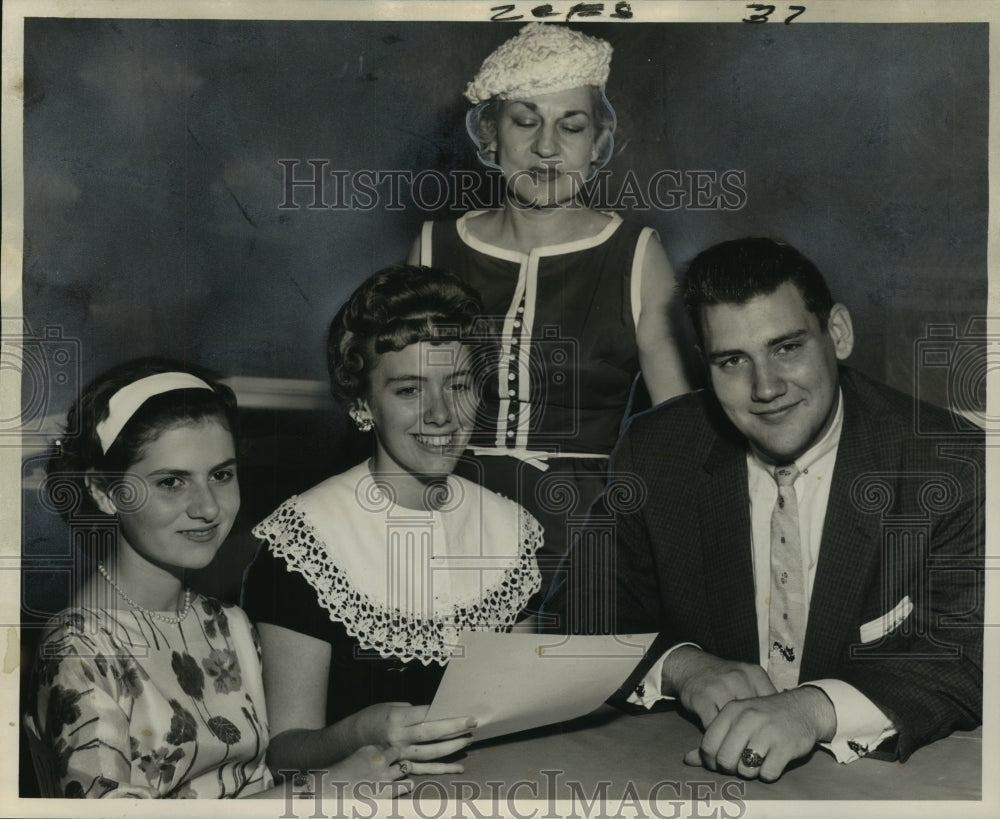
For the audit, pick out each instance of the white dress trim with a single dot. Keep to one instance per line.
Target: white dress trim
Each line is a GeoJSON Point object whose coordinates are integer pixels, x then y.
{"type": "Point", "coordinates": [419, 613]}
{"type": "Point", "coordinates": [515, 364]}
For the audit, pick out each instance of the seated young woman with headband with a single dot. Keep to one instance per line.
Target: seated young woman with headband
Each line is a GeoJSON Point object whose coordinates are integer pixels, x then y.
{"type": "Point", "coordinates": [146, 688]}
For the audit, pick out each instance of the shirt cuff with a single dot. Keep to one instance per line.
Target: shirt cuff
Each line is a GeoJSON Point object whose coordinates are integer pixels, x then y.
{"type": "Point", "coordinates": [861, 725]}
{"type": "Point", "coordinates": [647, 693]}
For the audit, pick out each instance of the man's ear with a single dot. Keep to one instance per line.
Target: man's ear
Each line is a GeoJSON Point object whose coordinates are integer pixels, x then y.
{"type": "Point", "coordinates": [98, 492]}
{"type": "Point", "coordinates": [841, 331]}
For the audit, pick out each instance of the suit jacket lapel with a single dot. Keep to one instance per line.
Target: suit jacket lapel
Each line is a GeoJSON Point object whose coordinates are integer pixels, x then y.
{"type": "Point", "coordinates": [727, 553]}
{"type": "Point", "coordinates": [846, 548]}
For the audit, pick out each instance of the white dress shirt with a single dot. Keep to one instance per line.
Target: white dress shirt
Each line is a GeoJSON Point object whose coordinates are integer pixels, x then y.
{"type": "Point", "coordinates": [861, 725]}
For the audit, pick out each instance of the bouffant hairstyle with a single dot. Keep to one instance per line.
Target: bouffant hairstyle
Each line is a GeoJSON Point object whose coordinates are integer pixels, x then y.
{"type": "Point", "coordinates": [78, 457]}
{"type": "Point", "coordinates": [394, 308]}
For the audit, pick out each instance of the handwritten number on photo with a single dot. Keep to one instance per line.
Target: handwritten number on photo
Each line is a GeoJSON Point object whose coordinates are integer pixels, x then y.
{"type": "Point", "coordinates": [765, 12]}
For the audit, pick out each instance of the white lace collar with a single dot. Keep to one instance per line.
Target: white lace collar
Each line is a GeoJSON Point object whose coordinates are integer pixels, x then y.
{"type": "Point", "coordinates": [405, 582]}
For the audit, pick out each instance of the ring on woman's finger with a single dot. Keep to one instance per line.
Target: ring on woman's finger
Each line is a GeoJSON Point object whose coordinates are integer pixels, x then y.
{"type": "Point", "coordinates": [404, 767]}
{"type": "Point", "coordinates": [751, 758]}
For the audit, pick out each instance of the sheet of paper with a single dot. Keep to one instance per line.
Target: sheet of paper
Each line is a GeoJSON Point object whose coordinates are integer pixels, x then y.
{"type": "Point", "coordinates": [512, 682]}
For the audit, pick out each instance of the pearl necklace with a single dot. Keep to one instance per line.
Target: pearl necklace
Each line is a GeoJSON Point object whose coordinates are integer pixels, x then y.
{"type": "Point", "coordinates": [173, 621]}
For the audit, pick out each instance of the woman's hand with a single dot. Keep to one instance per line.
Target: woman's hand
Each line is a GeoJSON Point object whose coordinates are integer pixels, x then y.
{"type": "Point", "coordinates": [369, 771]}
{"type": "Point", "coordinates": [401, 726]}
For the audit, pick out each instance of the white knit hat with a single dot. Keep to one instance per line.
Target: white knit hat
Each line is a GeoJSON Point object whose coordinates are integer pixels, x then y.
{"type": "Point", "coordinates": [543, 58]}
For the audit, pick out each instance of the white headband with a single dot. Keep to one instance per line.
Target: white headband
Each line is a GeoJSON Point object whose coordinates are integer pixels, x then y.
{"type": "Point", "coordinates": [128, 399]}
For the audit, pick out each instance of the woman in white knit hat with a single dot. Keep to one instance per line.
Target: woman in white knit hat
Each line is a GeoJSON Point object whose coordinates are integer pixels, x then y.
{"type": "Point", "coordinates": [583, 296]}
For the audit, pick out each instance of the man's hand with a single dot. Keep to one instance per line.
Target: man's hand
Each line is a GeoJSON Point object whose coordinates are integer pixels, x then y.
{"type": "Point", "coordinates": [779, 728]}
{"type": "Point", "coordinates": [704, 683]}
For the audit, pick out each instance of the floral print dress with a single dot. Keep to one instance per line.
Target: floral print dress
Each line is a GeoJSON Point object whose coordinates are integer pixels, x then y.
{"type": "Point", "coordinates": [133, 707]}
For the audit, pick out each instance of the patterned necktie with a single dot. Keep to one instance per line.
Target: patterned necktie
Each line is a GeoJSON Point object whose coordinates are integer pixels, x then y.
{"type": "Point", "coordinates": [787, 621]}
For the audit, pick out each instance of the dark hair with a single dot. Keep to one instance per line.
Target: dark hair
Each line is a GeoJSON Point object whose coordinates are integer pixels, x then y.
{"type": "Point", "coordinates": [74, 456]}
{"type": "Point", "coordinates": [481, 123]}
{"type": "Point", "coordinates": [394, 308]}
{"type": "Point", "coordinates": [737, 271]}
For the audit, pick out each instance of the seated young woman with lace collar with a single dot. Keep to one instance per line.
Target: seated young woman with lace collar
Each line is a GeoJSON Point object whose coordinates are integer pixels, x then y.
{"type": "Point", "coordinates": [146, 688]}
{"type": "Point", "coordinates": [363, 583]}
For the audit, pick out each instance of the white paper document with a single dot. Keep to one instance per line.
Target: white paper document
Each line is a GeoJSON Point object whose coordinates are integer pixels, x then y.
{"type": "Point", "coordinates": [512, 682]}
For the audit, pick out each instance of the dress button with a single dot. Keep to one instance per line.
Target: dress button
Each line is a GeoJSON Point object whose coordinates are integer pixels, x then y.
{"type": "Point", "coordinates": [510, 393]}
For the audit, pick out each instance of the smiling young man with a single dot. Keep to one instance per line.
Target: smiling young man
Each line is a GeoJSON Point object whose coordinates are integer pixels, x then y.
{"type": "Point", "coordinates": [809, 560]}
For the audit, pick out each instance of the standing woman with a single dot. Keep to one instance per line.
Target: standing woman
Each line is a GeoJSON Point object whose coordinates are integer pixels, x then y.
{"type": "Point", "coordinates": [146, 688]}
{"type": "Point", "coordinates": [584, 296]}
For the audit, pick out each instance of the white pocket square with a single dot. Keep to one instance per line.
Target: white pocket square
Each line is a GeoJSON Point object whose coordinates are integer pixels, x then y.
{"type": "Point", "coordinates": [881, 626]}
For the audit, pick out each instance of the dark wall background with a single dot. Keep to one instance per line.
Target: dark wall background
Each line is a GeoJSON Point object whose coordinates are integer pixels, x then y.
{"type": "Point", "coordinates": [153, 185]}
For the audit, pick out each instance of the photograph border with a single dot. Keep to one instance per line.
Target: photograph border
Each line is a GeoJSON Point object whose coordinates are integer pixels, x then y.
{"type": "Point", "coordinates": [665, 11]}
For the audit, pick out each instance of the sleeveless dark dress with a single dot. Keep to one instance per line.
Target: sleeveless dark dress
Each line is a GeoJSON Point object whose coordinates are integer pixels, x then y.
{"type": "Point", "coordinates": [569, 359]}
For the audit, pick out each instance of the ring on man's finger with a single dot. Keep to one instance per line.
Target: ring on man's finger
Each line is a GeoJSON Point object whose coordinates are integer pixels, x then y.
{"type": "Point", "coordinates": [751, 758]}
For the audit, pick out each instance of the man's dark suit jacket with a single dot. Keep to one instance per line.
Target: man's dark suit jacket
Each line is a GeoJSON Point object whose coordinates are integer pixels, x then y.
{"type": "Point", "coordinates": [667, 548]}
